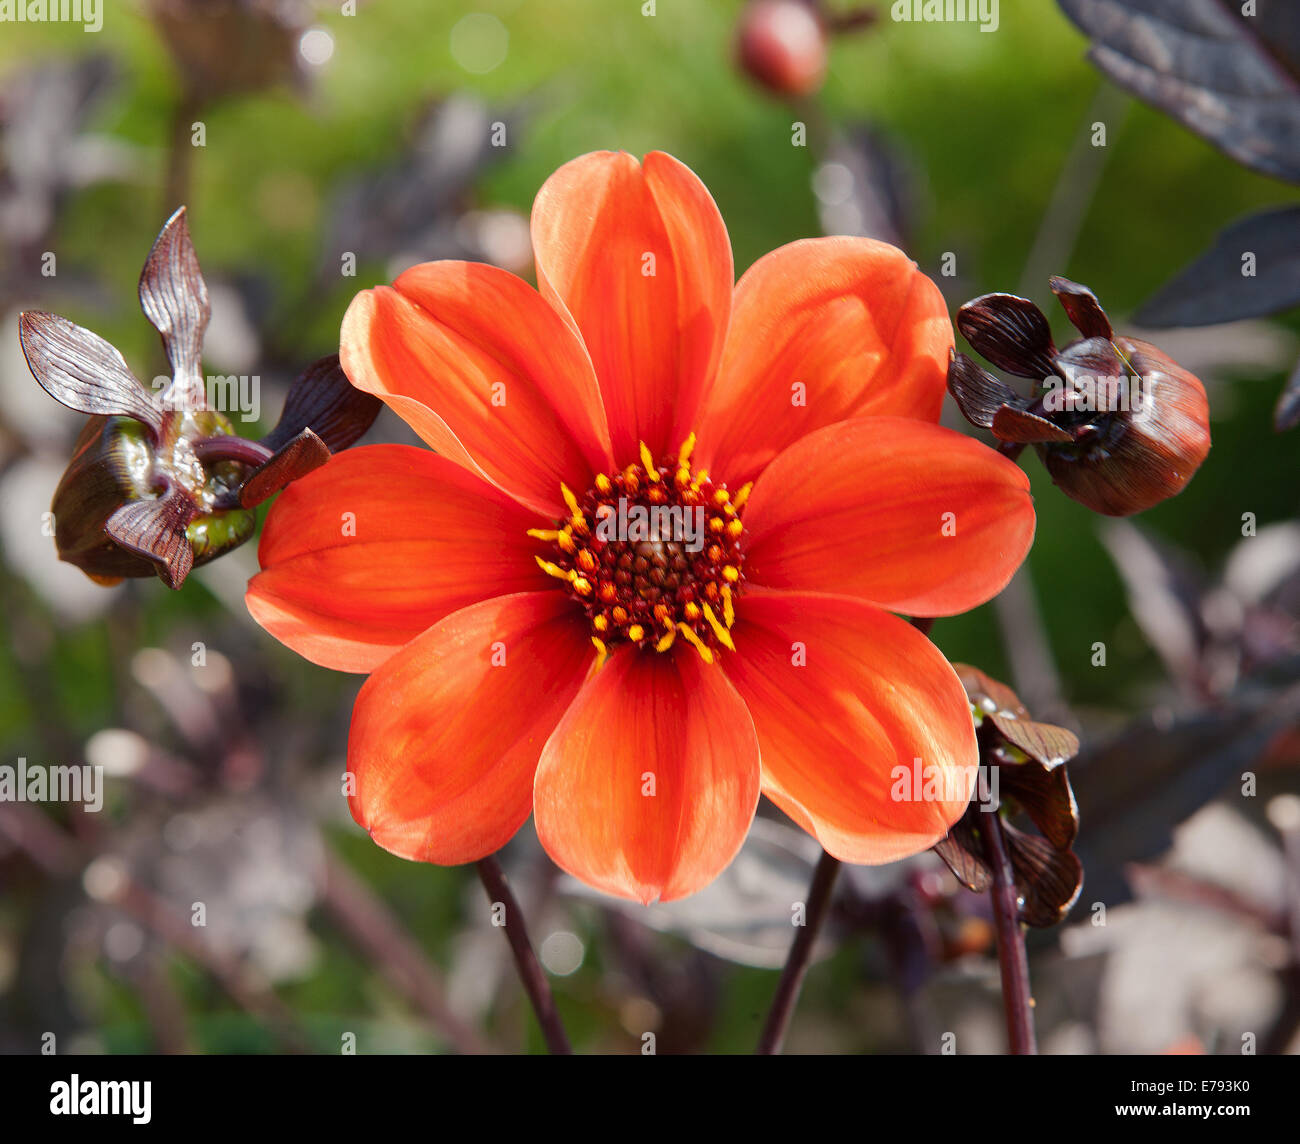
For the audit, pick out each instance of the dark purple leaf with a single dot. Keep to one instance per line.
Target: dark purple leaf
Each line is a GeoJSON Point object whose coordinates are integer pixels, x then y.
{"type": "Point", "coordinates": [323, 400]}
{"type": "Point", "coordinates": [411, 208]}
{"type": "Point", "coordinates": [1232, 78]}
{"type": "Point", "coordinates": [295, 459]}
{"type": "Point", "coordinates": [1010, 332]}
{"type": "Point", "coordinates": [979, 395]}
{"type": "Point", "coordinates": [1286, 415]}
{"type": "Point", "coordinates": [174, 298]}
{"type": "Point", "coordinates": [1215, 287]}
{"type": "Point", "coordinates": [1135, 788]}
{"type": "Point", "coordinates": [81, 370]}
{"type": "Point", "coordinates": [877, 200]}
{"type": "Point", "coordinates": [155, 529]}
{"type": "Point", "coordinates": [1164, 596]}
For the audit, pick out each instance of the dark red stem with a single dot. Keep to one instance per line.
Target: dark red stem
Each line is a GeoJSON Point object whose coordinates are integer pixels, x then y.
{"type": "Point", "coordinates": [1017, 999]}
{"type": "Point", "coordinates": [530, 970]}
{"type": "Point", "coordinates": [796, 965]}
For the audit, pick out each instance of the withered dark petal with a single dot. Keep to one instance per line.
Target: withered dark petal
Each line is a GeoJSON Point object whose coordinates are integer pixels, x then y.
{"type": "Point", "coordinates": [962, 853]}
{"type": "Point", "coordinates": [1011, 332]}
{"type": "Point", "coordinates": [979, 395]}
{"type": "Point", "coordinates": [174, 298]}
{"type": "Point", "coordinates": [1046, 796]}
{"type": "Point", "coordinates": [155, 529]}
{"type": "Point", "coordinates": [1049, 879]}
{"type": "Point", "coordinates": [1092, 358]}
{"type": "Point", "coordinates": [1017, 425]}
{"type": "Point", "coordinates": [980, 686]}
{"type": "Point", "coordinates": [295, 459]}
{"type": "Point", "coordinates": [323, 400]}
{"type": "Point", "coordinates": [83, 371]}
{"type": "Point", "coordinates": [1081, 305]}
{"type": "Point", "coordinates": [1048, 744]}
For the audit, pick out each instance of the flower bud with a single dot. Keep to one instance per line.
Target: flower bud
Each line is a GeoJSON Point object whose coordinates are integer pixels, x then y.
{"type": "Point", "coordinates": [1127, 462]}
{"type": "Point", "coordinates": [1119, 425]}
{"type": "Point", "coordinates": [159, 484]}
{"type": "Point", "coordinates": [781, 45]}
{"type": "Point", "coordinates": [117, 466]}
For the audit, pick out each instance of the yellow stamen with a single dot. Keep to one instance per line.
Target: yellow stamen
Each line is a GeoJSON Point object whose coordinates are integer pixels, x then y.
{"type": "Point", "coordinates": [666, 642]}
{"type": "Point", "coordinates": [636, 633]}
{"type": "Point", "coordinates": [600, 623]}
{"type": "Point", "coordinates": [735, 528]}
{"type": "Point", "coordinates": [603, 483]}
{"type": "Point", "coordinates": [567, 493]}
{"type": "Point", "coordinates": [648, 462]}
{"type": "Point", "coordinates": [688, 633]}
{"type": "Point", "coordinates": [731, 573]}
{"type": "Point", "coordinates": [548, 534]}
{"type": "Point", "coordinates": [692, 611]}
{"type": "Point", "coordinates": [728, 608]}
{"type": "Point", "coordinates": [684, 453]}
{"type": "Point", "coordinates": [582, 585]}
{"type": "Point", "coordinates": [602, 652]}
{"type": "Point", "coordinates": [742, 496]}
{"type": "Point", "coordinates": [724, 636]}
{"type": "Point", "coordinates": [552, 569]}
{"type": "Point", "coordinates": [721, 496]}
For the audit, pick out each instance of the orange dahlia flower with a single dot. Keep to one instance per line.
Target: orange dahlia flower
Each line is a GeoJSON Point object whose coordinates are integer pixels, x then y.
{"type": "Point", "coordinates": [647, 571]}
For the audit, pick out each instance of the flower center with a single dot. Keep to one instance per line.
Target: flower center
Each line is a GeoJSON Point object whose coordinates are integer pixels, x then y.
{"type": "Point", "coordinates": [652, 554]}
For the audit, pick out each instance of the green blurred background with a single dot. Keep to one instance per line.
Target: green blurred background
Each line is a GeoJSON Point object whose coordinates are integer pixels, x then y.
{"type": "Point", "coordinates": [985, 124]}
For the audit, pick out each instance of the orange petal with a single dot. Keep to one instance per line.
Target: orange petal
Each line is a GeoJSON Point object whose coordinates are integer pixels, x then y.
{"type": "Point", "coordinates": [846, 698]}
{"type": "Point", "coordinates": [823, 330]}
{"type": "Point", "coordinates": [446, 735]}
{"type": "Point", "coordinates": [907, 515]}
{"type": "Point", "coordinates": [638, 260]}
{"type": "Point", "coordinates": [649, 784]}
{"type": "Point", "coordinates": [362, 555]}
{"type": "Point", "coordinates": [486, 372]}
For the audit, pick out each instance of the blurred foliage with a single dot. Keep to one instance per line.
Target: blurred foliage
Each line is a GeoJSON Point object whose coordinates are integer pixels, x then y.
{"type": "Point", "coordinates": [986, 122]}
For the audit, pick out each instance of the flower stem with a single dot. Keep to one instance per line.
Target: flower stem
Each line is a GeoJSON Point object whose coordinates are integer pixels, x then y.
{"type": "Point", "coordinates": [1016, 997]}
{"type": "Point", "coordinates": [530, 970]}
{"type": "Point", "coordinates": [796, 964]}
